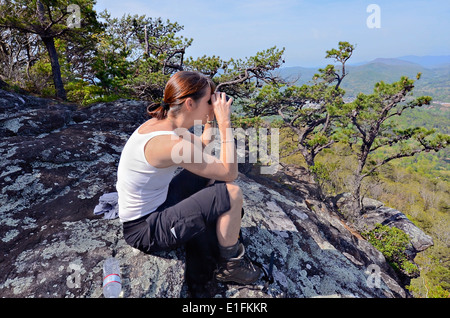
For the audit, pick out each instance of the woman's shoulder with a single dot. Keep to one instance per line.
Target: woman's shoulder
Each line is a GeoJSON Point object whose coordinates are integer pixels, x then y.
{"type": "Point", "coordinates": [151, 125]}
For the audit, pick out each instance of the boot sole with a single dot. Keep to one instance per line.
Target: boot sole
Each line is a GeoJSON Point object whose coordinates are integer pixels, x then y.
{"type": "Point", "coordinates": [237, 281]}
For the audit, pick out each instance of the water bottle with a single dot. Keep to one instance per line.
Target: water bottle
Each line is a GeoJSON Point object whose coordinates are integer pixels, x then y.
{"type": "Point", "coordinates": [112, 285]}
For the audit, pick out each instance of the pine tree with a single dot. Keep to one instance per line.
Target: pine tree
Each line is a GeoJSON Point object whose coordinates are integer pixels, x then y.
{"type": "Point", "coordinates": [369, 130]}
{"type": "Point", "coordinates": [50, 20]}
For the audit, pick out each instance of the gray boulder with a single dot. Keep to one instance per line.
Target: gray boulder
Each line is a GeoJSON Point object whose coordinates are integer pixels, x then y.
{"type": "Point", "coordinates": [375, 212]}
{"type": "Point", "coordinates": [56, 162]}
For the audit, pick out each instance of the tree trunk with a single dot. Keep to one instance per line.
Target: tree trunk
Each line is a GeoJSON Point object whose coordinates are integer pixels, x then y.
{"type": "Point", "coordinates": [309, 159]}
{"type": "Point", "coordinates": [356, 205]}
{"type": "Point", "coordinates": [56, 68]}
{"type": "Point", "coordinates": [310, 162]}
{"type": "Point", "coordinates": [356, 197]}
{"type": "Point", "coordinates": [147, 47]}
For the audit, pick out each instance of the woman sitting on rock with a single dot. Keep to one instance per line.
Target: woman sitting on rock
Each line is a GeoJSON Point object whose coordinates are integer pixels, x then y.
{"type": "Point", "coordinates": [161, 212]}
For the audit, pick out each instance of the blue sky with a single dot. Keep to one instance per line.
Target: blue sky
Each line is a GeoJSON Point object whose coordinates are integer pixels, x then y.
{"type": "Point", "coordinates": [240, 28]}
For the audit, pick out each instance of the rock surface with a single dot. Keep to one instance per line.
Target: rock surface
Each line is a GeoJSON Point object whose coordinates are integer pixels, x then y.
{"type": "Point", "coordinates": [375, 212]}
{"type": "Point", "coordinates": [57, 160]}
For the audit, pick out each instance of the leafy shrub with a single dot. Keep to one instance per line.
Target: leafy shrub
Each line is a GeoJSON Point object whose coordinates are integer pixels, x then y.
{"type": "Point", "coordinates": [392, 243]}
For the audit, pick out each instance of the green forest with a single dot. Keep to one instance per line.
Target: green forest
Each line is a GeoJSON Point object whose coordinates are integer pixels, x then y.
{"type": "Point", "coordinates": [418, 186]}
{"type": "Point", "coordinates": [435, 81]}
{"type": "Point", "coordinates": [388, 143]}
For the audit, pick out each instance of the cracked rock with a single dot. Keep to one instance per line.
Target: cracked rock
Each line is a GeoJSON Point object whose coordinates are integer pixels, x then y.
{"type": "Point", "coordinates": [57, 160]}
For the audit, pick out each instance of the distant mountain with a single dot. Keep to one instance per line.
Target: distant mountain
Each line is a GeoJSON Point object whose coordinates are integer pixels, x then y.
{"type": "Point", "coordinates": [435, 80]}
{"type": "Point", "coordinates": [395, 62]}
{"type": "Point", "coordinates": [427, 61]}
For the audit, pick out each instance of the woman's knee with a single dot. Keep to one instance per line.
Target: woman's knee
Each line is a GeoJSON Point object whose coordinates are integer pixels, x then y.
{"type": "Point", "coordinates": [235, 193]}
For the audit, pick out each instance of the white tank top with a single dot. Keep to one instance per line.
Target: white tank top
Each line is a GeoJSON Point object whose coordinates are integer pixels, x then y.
{"type": "Point", "coordinates": [142, 188]}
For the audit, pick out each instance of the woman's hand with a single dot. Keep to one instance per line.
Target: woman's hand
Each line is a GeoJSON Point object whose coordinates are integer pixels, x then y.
{"type": "Point", "coordinates": [222, 107]}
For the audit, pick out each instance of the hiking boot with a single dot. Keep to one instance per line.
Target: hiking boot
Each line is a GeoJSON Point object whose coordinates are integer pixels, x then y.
{"type": "Point", "coordinates": [239, 269]}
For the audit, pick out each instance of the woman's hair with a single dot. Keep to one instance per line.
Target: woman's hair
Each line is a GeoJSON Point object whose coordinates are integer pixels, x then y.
{"type": "Point", "coordinates": [181, 86]}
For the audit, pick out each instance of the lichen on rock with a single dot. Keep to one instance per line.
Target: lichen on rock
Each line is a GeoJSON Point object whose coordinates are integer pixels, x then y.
{"type": "Point", "coordinates": [57, 160]}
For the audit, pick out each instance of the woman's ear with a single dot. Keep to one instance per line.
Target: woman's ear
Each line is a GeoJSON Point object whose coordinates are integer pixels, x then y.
{"type": "Point", "coordinates": [190, 105]}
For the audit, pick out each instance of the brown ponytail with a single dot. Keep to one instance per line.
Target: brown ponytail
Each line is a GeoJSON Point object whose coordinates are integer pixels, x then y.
{"type": "Point", "coordinates": [180, 86]}
{"type": "Point", "coordinates": [158, 110]}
